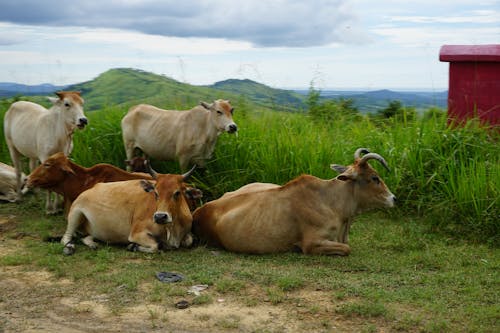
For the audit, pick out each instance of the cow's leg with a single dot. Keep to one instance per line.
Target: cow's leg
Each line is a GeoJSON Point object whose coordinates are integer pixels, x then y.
{"type": "Point", "coordinates": [187, 241]}
{"type": "Point", "coordinates": [144, 242]}
{"type": "Point", "coordinates": [89, 241]}
{"type": "Point", "coordinates": [129, 152]}
{"type": "Point", "coordinates": [325, 246]}
{"type": "Point", "coordinates": [184, 163]}
{"type": "Point", "coordinates": [344, 232]}
{"type": "Point", "coordinates": [33, 164]}
{"type": "Point", "coordinates": [18, 166]}
{"type": "Point", "coordinates": [51, 205]}
{"type": "Point", "coordinates": [75, 220]}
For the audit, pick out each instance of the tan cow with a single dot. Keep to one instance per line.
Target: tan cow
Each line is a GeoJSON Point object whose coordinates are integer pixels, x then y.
{"type": "Point", "coordinates": [62, 176]}
{"type": "Point", "coordinates": [187, 136]}
{"type": "Point", "coordinates": [309, 213]}
{"type": "Point", "coordinates": [8, 183]}
{"type": "Point", "coordinates": [35, 132]}
{"type": "Point", "coordinates": [136, 211]}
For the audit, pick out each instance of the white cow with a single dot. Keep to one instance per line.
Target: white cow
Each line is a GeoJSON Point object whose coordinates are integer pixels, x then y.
{"type": "Point", "coordinates": [8, 183]}
{"type": "Point", "coordinates": [188, 136]}
{"type": "Point", "coordinates": [36, 132]}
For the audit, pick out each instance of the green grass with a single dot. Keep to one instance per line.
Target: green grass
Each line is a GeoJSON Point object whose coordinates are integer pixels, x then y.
{"type": "Point", "coordinates": [399, 275]}
{"type": "Point", "coordinates": [450, 176]}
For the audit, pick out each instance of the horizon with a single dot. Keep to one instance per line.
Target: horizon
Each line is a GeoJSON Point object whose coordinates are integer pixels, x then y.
{"type": "Point", "coordinates": [305, 88]}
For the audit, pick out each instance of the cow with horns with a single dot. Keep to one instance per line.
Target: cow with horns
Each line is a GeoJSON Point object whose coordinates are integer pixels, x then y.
{"type": "Point", "coordinates": [308, 213]}
{"type": "Point", "coordinates": [143, 214]}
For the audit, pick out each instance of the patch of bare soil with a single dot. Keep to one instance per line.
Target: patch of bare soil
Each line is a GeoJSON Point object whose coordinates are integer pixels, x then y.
{"type": "Point", "coordinates": [37, 301]}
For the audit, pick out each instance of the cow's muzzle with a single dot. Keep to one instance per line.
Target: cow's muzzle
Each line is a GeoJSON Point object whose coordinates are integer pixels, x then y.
{"type": "Point", "coordinates": [82, 122]}
{"type": "Point", "coordinates": [162, 217]}
{"type": "Point", "coordinates": [232, 128]}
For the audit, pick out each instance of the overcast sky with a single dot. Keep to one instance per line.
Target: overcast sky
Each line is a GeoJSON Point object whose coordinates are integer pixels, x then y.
{"type": "Point", "coordinates": [362, 44]}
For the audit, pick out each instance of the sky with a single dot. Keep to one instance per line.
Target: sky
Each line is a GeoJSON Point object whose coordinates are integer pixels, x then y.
{"type": "Point", "coordinates": [329, 44]}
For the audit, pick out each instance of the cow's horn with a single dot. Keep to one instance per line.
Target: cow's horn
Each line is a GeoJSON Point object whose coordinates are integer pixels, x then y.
{"type": "Point", "coordinates": [188, 174]}
{"type": "Point", "coordinates": [150, 170]}
{"type": "Point", "coordinates": [374, 156]}
{"type": "Point", "coordinates": [359, 151]}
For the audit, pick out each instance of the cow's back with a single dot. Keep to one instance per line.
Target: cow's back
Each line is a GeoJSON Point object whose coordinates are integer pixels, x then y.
{"type": "Point", "coordinates": [153, 130]}
{"type": "Point", "coordinates": [260, 221]}
{"type": "Point", "coordinates": [110, 208]}
{"type": "Point", "coordinates": [21, 123]}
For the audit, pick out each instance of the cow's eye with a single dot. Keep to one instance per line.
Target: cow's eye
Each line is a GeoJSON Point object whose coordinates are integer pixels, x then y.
{"type": "Point", "coordinates": [219, 112]}
{"type": "Point", "coordinates": [177, 194]}
{"type": "Point", "coordinates": [66, 104]}
{"type": "Point", "coordinates": [376, 179]}
{"type": "Point", "coordinates": [232, 110]}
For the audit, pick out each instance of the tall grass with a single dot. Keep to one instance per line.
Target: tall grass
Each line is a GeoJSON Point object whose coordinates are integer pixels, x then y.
{"type": "Point", "coordinates": [450, 176]}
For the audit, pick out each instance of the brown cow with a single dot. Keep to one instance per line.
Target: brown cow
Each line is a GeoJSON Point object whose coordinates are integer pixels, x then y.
{"type": "Point", "coordinates": [136, 211]}
{"type": "Point", "coordinates": [309, 213]}
{"type": "Point", "coordinates": [59, 174]}
{"type": "Point", "coordinates": [136, 164]}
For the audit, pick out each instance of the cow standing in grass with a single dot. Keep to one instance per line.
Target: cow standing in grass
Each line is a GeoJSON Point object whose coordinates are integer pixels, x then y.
{"type": "Point", "coordinates": [308, 213]}
{"type": "Point", "coordinates": [187, 136]}
{"type": "Point", "coordinates": [36, 132]}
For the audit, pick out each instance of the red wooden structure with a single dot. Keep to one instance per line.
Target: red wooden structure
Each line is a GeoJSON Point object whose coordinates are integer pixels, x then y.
{"type": "Point", "coordinates": [474, 82]}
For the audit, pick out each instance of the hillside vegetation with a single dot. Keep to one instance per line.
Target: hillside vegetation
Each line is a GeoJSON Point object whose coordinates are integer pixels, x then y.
{"type": "Point", "coordinates": [136, 86]}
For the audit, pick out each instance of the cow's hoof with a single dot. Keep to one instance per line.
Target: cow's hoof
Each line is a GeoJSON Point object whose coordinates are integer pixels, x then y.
{"type": "Point", "coordinates": [69, 249]}
{"type": "Point", "coordinates": [133, 247]}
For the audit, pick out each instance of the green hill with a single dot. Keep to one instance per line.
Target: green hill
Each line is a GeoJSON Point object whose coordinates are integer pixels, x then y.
{"type": "Point", "coordinates": [259, 93]}
{"type": "Point", "coordinates": [126, 87]}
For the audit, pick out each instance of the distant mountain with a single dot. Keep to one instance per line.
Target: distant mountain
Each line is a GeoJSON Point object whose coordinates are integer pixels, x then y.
{"type": "Point", "coordinates": [124, 87]}
{"type": "Point", "coordinates": [8, 89]}
{"type": "Point", "coordinates": [371, 101]}
{"type": "Point", "coordinates": [258, 92]}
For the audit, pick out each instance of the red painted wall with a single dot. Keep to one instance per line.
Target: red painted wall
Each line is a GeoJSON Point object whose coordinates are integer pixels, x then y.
{"type": "Point", "coordinates": [474, 82]}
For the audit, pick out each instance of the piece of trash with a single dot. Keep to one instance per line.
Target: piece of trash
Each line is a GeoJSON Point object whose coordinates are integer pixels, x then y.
{"type": "Point", "coordinates": [197, 289]}
{"type": "Point", "coordinates": [215, 253]}
{"type": "Point", "coordinates": [169, 277]}
{"type": "Point", "coordinates": [182, 304]}
{"type": "Point", "coordinates": [221, 300]}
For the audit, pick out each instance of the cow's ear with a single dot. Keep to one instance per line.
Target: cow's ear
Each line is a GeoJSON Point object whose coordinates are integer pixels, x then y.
{"type": "Point", "coordinates": [206, 105]}
{"type": "Point", "coordinates": [193, 193]}
{"type": "Point", "coordinates": [147, 186]}
{"type": "Point", "coordinates": [67, 168]}
{"type": "Point", "coordinates": [339, 168]}
{"type": "Point", "coordinates": [52, 100]}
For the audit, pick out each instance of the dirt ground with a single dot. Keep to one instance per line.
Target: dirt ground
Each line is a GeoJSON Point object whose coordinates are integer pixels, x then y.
{"type": "Point", "coordinates": [37, 301]}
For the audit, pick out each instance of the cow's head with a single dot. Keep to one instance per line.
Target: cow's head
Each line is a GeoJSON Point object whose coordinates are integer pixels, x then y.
{"type": "Point", "coordinates": [51, 172]}
{"type": "Point", "coordinates": [172, 208]}
{"type": "Point", "coordinates": [221, 115]}
{"type": "Point", "coordinates": [70, 104]}
{"type": "Point", "coordinates": [369, 189]}
{"type": "Point", "coordinates": [137, 164]}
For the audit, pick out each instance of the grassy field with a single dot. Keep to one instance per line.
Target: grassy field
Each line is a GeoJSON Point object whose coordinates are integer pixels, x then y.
{"type": "Point", "coordinates": [399, 277]}
{"type": "Point", "coordinates": [429, 265]}
{"type": "Point", "coordinates": [449, 176]}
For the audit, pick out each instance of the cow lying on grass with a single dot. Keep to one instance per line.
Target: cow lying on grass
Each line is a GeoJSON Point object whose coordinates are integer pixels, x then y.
{"type": "Point", "coordinates": [8, 183]}
{"type": "Point", "coordinates": [146, 215]}
{"type": "Point", "coordinates": [309, 213]}
{"type": "Point", "coordinates": [60, 175]}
